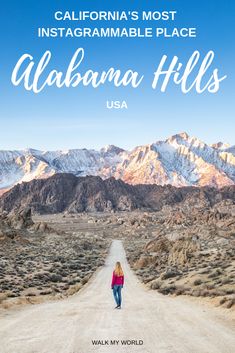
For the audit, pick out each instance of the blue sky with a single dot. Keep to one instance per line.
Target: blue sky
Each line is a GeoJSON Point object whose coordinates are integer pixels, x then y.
{"type": "Point", "coordinates": [78, 117]}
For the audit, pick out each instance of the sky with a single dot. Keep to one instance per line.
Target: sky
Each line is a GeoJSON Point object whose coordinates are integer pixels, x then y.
{"type": "Point", "coordinates": [78, 117]}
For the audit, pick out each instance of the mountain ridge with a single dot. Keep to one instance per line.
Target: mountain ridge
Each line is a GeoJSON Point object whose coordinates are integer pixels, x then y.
{"type": "Point", "coordinates": [180, 160]}
{"type": "Point", "coordinates": [65, 192]}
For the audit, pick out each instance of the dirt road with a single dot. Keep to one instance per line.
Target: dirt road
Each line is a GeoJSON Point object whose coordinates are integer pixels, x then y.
{"type": "Point", "coordinates": [161, 323]}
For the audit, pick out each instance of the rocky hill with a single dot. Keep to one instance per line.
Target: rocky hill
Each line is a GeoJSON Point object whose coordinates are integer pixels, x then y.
{"type": "Point", "coordinates": [180, 160]}
{"type": "Point", "coordinates": [66, 192]}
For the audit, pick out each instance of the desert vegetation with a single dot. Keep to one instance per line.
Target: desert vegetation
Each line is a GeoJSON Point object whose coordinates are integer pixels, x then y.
{"type": "Point", "coordinates": [184, 248]}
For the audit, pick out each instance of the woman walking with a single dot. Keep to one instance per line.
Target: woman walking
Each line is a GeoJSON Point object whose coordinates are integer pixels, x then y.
{"type": "Point", "coordinates": [117, 284]}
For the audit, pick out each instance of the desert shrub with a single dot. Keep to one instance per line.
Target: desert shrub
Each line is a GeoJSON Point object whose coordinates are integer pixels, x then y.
{"type": "Point", "coordinates": [46, 292]}
{"type": "Point", "coordinates": [226, 280]}
{"type": "Point", "coordinates": [31, 294]}
{"type": "Point", "coordinates": [230, 291]}
{"type": "Point", "coordinates": [205, 271]}
{"type": "Point", "coordinates": [205, 293]}
{"type": "Point", "coordinates": [148, 279]}
{"type": "Point", "coordinates": [230, 303]}
{"type": "Point", "coordinates": [195, 293]}
{"type": "Point", "coordinates": [218, 292]}
{"type": "Point", "coordinates": [170, 274]}
{"type": "Point", "coordinates": [167, 290]}
{"type": "Point", "coordinates": [155, 284]}
{"type": "Point", "coordinates": [215, 273]}
{"type": "Point", "coordinates": [197, 282]}
{"type": "Point", "coordinates": [180, 290]}
{"type": "Point", "coordinates": [222, 301]}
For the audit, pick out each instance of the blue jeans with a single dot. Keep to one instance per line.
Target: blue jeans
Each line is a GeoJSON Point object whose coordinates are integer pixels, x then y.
{"type": "Point", "coordinates": [117, 294]}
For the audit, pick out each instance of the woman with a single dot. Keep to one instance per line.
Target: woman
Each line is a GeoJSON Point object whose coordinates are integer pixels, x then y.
{"type": "Point", "coordinates": [117, 284]}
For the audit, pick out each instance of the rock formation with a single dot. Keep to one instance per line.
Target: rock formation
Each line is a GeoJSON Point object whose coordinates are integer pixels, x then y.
{"type": "Point", "coordinates": [68, 193]}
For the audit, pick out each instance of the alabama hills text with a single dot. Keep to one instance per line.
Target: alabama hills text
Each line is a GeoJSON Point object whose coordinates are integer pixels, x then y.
{"type": "Point", "coordinates": [197, 74]}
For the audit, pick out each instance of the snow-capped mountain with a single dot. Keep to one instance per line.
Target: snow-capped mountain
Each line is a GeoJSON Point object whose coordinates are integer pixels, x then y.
{"type": "Point", "coordinates": [180, 160]}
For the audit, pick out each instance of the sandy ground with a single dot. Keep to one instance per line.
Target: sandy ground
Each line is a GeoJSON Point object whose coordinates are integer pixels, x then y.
{"type": "Point", "coordinates": [164, 324]}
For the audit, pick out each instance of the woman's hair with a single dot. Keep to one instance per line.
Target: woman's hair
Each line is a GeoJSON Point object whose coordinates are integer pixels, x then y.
{"type": "Point", "coordinates": [118, 269]}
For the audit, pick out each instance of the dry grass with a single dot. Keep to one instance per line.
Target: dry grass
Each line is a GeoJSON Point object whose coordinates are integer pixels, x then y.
{"type": "Point", "coordinates": [4, 296]}
{"type": "Point", "coordinates": [74, 289]}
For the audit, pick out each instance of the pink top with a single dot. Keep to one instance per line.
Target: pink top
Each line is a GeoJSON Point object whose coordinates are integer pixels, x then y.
{"type": "Point", "coordinates": [117, 280]}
